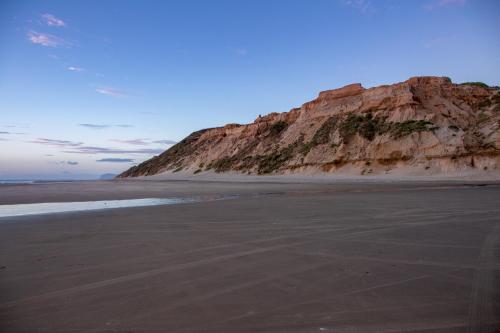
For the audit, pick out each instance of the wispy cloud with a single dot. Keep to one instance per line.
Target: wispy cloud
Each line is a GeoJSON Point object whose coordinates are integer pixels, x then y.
{"type": "Point", "coordinates": [114, 92]}
{"type": "Point", "coordinates": [115, 160]}
{"type": "Point", "coordinates": [444, 3]}
{"type": "Point", "coordinates": [364, 6]}
{"type": "Point", "coordinates": [75, 69]}
{"type": "Point", "coordinates": [51, 20]}
{"type": "Point", "coordinates": [94, 126]}
{"type": "Point", "coordinates": [436, 42]}
{"type": "Point", "coordinates": [78, 148]}
{"type": "Point", "coordinates": [103, 126]}
{"type": "Point", "coordinates": [106, 150]}
{"type": "Point", "coordinates": [440, 41]}
{"type": "Point", "coordinates": [16, 126]}
{"type": "Point", "coordinates": [63, 162]}
{"type": "Point", "coordinates": [144, 142]}
{"type": "Point", "coordinates": [137, 142]}
{"type": "Point", "coordinates": [166, 142]}
{"type": "Point", "coordinates": [3, 132]}
{"type": "Point", "coordinates": [237, 50]}
{"type": "Point", "coordinates": [56, 143]}
{"type": "Point", "coordinates": [47, 40]}
{"type": "Point", "coordinates": [241, 51]}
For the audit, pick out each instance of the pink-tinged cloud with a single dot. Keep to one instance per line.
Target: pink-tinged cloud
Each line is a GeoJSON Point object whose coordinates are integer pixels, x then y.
{"type": "Point", "coordinates": [75, 69]}
{"type": "Point", "coordinates": [115, 160]}
{"type": "Point", "coordinates": [46, 39]}
{"type": "Point", "coordinates": [111, 92]}
{"type": "Point", "coordinates": [106, 150]}
{"type": "Point", "coordinates": [51, 20]}
{"type": "Point", "coordinates": [103, 126]}
{"type": "Point", "coordinates": [145, 142]}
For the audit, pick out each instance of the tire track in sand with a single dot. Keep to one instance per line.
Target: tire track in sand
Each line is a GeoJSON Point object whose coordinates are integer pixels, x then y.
{"type": "Point", "coordinates": [482, 314]}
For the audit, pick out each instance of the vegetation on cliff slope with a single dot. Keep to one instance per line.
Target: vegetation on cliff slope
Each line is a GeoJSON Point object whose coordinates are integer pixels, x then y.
{"type": "Point", "coordinates": [347, 126]}
{"type": "Point", "coordinates": [365, 125]}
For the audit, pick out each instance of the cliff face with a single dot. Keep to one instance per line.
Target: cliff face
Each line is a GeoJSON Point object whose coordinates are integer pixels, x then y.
{"type": "Point", "coordinates": [424, 123]}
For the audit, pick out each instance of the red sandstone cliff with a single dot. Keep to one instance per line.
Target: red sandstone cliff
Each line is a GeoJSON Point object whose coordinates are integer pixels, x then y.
{"type": "Point", "coordinates": [425, 123]}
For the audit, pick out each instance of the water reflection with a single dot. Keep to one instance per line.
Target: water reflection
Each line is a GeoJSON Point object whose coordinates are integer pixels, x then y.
{"type": "Point", "coordinates": [61, 207]}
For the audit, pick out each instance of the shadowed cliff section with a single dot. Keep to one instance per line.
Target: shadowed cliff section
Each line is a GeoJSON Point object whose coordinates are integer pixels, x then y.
{"type": "Point", "coordinates": [425, 124]}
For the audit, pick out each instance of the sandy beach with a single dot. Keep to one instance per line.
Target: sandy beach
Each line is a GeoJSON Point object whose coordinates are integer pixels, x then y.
{"type": "Point", "coordinates": [274, 256]}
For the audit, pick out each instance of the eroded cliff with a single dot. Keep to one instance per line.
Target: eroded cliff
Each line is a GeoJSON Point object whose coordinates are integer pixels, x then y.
{"type": "Point", "coordinates": [424, 123]}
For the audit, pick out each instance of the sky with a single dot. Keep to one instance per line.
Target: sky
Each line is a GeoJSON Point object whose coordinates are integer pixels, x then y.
{"type": "Point", "coordinates": [89, 87]}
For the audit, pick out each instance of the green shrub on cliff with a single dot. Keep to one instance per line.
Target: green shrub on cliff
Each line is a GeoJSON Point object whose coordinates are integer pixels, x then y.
{"type": "Point", "coordinates": [399, 130]}
{"type": "Point", "coordinates": [276, 159]}
{"type": "Point", "coordinates": [278, 127]}
{"type": "Point", "coordinates": [477, 84]}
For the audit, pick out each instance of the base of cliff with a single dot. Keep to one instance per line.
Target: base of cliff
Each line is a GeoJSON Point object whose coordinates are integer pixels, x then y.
{"type": "Point", "coordinates": [376, 172]}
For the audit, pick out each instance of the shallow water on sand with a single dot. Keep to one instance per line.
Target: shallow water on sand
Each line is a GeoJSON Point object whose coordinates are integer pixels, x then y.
{"type": "Point", "coordinates": [15, 182]}
{"type": "Point", "coordinates": [62, 207]}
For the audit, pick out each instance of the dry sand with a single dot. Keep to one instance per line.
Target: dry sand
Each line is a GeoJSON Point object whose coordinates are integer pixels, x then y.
{"type": "Point", "coordinates": [281, 257]}
{"type": "Point", "coordinates": [348, 175]}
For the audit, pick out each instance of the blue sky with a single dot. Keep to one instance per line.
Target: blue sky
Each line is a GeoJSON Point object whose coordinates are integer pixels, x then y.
{"type": "Point", "coordinates": [91, 87]}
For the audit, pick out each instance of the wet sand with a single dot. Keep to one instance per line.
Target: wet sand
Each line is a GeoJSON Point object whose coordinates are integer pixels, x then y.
{"type": "Point", "coordinates": [279, 257]}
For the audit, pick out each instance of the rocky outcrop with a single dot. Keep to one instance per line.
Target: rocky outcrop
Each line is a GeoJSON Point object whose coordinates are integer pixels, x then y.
{"type": "Point", "coordinates": [424, 123]}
